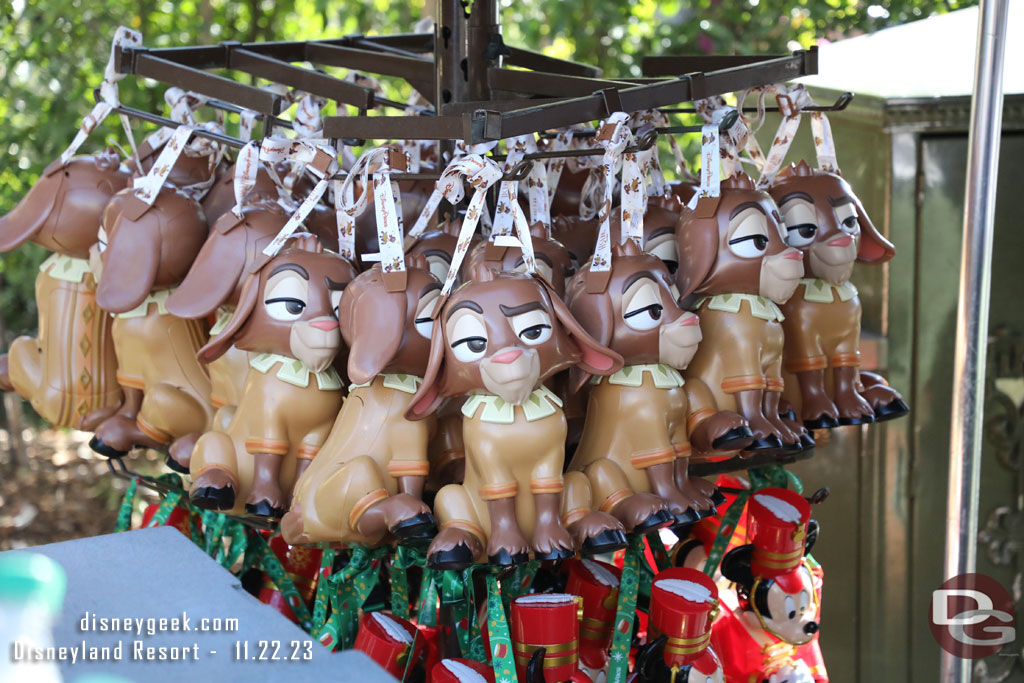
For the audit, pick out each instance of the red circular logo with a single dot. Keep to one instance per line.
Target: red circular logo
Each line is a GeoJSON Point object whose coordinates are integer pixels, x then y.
{"type": "Point", "coordinates": [972, 616]}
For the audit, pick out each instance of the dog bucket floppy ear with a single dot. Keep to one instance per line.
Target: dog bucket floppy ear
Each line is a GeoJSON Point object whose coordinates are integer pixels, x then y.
{"type": "Point", "coordinates": [387, 205]}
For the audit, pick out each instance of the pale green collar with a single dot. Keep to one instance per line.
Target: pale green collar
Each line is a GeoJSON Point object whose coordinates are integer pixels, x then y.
{"type": "Point", "coordinates": [410, 384]}
{"type": "Point", "coordinates": [760, 307]}
{"type": "Point", "coordinates": [293, 371]}
{"type": "Point", "coordinates": [664, 377]}
{"type": "Point", "coordinates": [223, 317]}
{"type": "Point", "coordinates": [540, 404]}
{"type": "Point", "coordinates": [65, 268]}
{"type": "Point", "coordinates": [158, 297]}
{"type": "Point", "coordinates": [818, 291]}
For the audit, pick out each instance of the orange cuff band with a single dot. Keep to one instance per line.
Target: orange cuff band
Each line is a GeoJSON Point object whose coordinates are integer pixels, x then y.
{"type": "Point", "coordinates": [731, 385]}
{"type": "Point", "coordinates": [846, 359]}
{"type": "Point", "coordinates": [697, 417]}
{"type": "Point", "coordinates": [152, 432]}
{"type": "Point", "coordinates": [271, 446]}
{"type": "Point", "coordinates": [364, 504]}
{"type": "Point", "coordinates": [217, 401]}
{"type": "Point", "coordinates": [806, 364]}
{"type": "Point", "coordinates": [468, 527]}
{"type": "Point", "coordinates": [574, 516]}
{"type": "Point", "coordinates": [546, 485]}
{"type": "Point", "coordinates": [131, 381]}
{"type": "Point", "coordinates": [208, 468]}
{"type": "Point", "coordinates": [682, 450]}
{"type": "Point", "coordinates": [408, 468]}
{"type": "Point", "coordinates": [611, 501]}
{"type": "Point", "coordinates": [774, 384]}
{"type": "Point", "coordinates": [647, 459]}
{"type": "Point", "coordinates": [307, 451]}
{"type": "Point", "coordinates": [499, 491]}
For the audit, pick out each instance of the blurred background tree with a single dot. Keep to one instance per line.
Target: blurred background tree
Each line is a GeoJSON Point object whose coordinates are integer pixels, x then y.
{"type": "Point", "coordinates": [54, 53]}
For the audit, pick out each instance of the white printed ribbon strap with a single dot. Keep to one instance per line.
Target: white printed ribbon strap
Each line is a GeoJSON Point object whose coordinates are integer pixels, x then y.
{"type": "Point", "coordinates": [710, 164]}
{"type": "Point", "coordinates": [481, 173]}
{"type": "Point", "coordinates": [315, 157]}
{"type": "Point", "coordinates": [247, 165]}
{"type": "Point", "coordinates": [614, 135]}
{"type": "Point", "coordinates": [386, 208]}
{"type": "Point", "coordinates": [123, 37]}
{"type": "Point", "coordinates": [650, 164]}
{"type": "Point", "coordinates": [555, 165]}
{"type": "Point", "coordinates": [148, 186]}
{"type": "Point", "coordinates": [791, 101]}
{"type": "Point", "coordinates": [824, 145]}
{"type": "Point", "coordinates": [735, 140]}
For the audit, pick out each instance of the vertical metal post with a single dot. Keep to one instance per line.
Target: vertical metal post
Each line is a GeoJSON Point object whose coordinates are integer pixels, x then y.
{"type": "Point", "coordinates": [973, 308]}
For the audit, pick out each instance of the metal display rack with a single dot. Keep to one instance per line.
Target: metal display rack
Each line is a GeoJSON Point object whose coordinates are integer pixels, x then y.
{"type": "Point", "coordinates": [462, 69]}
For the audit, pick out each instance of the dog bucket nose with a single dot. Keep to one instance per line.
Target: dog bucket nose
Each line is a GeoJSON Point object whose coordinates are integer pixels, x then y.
{"type": "Point", "coordinates": [795, 255]}
{"type": "Point", "coordinates": [811, 627]}
{"type": "Point", "coordinates": [691, 320]}
{"type": "Point", "coordinates": [325, 325]}
{"type": "Point", "coordinates": [508, 356]}
{"type": "Point", "coordinates": [843, 241]}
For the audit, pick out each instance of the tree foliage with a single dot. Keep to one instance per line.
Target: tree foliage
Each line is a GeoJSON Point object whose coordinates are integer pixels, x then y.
{"type": "Point", "coordinates": [55, 52]}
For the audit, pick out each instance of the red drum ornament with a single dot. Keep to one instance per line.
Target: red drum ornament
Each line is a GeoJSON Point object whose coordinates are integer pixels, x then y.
{"type": "Point", "coordinates": [549, 621]}
{"type": "Point", "coordinates": [389, 640]}
{"type": "Point", "coordinates": [460, 671]}
{"type": "Point", "coordinates": [684, 603]}
{"type": "Point", "coordinates": [598, 584]}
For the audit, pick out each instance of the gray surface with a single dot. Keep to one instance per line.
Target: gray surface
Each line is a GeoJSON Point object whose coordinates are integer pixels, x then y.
{"type": "Point", "coordinates": [160, 573]}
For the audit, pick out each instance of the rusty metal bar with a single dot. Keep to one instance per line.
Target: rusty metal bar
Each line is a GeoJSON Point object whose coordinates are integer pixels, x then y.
{"type": "Point", "coordinates": [395, 127]}
{"type": "Point", "coordinates": [409, 68]}
{"type": "Point", "coordinates": [548, 84]}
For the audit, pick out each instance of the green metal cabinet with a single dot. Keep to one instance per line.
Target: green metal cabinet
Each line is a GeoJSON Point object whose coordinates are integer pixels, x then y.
{"type": "Point", "coordinates": [883, 526]}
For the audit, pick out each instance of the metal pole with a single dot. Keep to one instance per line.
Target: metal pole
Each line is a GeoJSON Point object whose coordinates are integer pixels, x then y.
{"type": "Point", "coordinates": [973, 308]}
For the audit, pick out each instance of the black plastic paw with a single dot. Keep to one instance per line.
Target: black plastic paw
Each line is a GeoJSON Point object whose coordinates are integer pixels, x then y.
{"type": "Point", "coordinates": [851, 421]}
{"type": "Point", "coordinates": [822, 422]}
{"type": "Point", "coordinates": [96, 443]}
{"type": "Point", "coordinates": [658, 520]}
{"type": "Point", "coordinates": [211, 498]}
{"type": "Point", "coordinates": [718, 498]}
{"type": "Point", "coordinates": [607, 541]}
{"type": "Point", "coordinates": [556, 554]}
{"type": "Point", "coordinates": [769, 443]}
{"type": "Point", "coordinates": [807, 441]}
{"type": "Point", "coordinates": [173, 464]}
{"type": "Point", "coordinates": [418, 530]}
{"type": "Point", "coordinates": [732, 439]}
{"type": "Point", "coordinates": [891, 410]}
{"type": "Point", "coordinates": [458, 557]}
{"type": "Point", "coordinates": [264, 509]}
{"type": "Point", "coordinates": [504, 558]}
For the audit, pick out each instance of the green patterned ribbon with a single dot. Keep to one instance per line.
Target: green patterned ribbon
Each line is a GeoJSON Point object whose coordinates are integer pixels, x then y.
{"type": "Point", "coordinates": [725, 531]}
{"type": "Point", "coordinates": [213, 523]}
{"type": "Point", "coordinates": [427, 614]}
{"type": "Point", "coordinates": [502, 660]}
{"type": "Point", "coordinates": [521, 581]}
{"type": "Point", "coordinates": [618, 666]}
{"type": "Point", "coordinates": [457, 593]}
{"type": "Point", "coordinates": [124, 513]}
{"type": "Point", "coordinates": [322, 593]}
{"type": "Point", "coordinates": [282, 582]}
{"type": "Point", "coordinates": [398, 571]}
{"type": "Point", "coordinates": [352, 585]}
{"type": "Point", "coordinates": [165, 508]}
{"type": "Point", "coordinates": [238, 534]}
{"type": "Point", "coordinates": [657, 547]}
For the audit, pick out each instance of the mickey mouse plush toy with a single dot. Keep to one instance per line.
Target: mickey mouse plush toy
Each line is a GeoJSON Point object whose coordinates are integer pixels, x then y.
{"type": "Point", "coordinates": [769, 628]}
